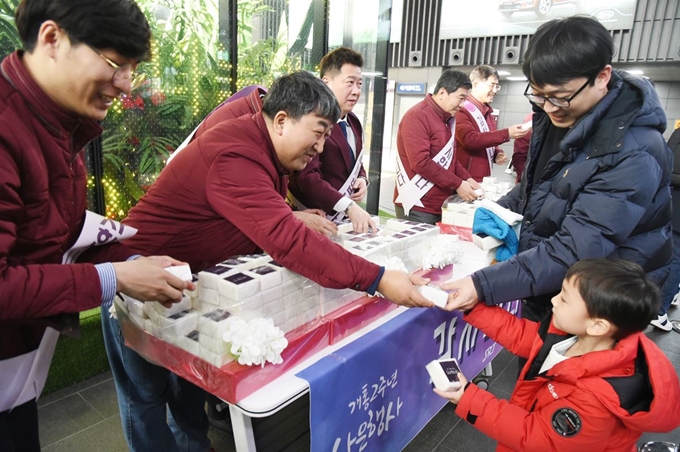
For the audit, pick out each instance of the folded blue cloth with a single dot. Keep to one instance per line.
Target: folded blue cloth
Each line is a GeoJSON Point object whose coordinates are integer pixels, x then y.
{"type": "Point", "coordinates": [489, 223]}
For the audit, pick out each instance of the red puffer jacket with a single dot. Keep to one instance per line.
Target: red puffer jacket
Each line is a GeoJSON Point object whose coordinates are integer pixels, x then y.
{"type": "Point", "coordinates": [42, 208]}
{"type": "Point", "coordinates": [600, 401]}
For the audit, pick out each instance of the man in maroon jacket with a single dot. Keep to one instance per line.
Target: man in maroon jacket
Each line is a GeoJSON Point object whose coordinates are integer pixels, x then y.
{"type": "Point", "coordinates": [427, 172]}
{"type": "Point", "coordinates": [79, 55]}
{"type": "Point", "coordinates": [477, 139]}
{"type": "Point", "coordinates": [520, 150]}
{"type": "Point", "coordinates": [249, 101]}
{"type": "Point", "coordinates": [336, 180]}
{"type": "Point", "coordinates": [224, 195]}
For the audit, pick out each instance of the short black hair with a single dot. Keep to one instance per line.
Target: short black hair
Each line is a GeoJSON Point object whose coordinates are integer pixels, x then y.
{"type": "Point", "coordinates": [332, 63]}
{"type": "Point", "coordinates": [482, 72]}
{"type": "Point", "coordinates": [618, 291]}
{"type": "Point", "coordinates": [118, 25]}
{"type": "Point", "coordinates": [565, 49]}
{"type": "Point", "coordinates": [299, 94]}
{"type": "Point", "coordinates": [451, 80]}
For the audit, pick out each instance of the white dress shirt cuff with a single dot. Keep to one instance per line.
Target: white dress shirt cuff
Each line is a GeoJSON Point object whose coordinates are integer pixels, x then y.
{"type": "Point", "coordinates": [342, 204]}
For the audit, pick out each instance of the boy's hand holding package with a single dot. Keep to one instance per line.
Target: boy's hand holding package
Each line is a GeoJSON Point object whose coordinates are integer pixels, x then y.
{"type": "Point", "coordinates": [462, 294]}
{"type": "Point", "coordinates": [454, 395]}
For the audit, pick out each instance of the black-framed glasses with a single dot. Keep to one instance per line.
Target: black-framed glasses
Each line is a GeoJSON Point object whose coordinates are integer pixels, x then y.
{"type": "Point", "coordinates": [562, 102]}
{"type": "Point", "coordinates": [122, 74]}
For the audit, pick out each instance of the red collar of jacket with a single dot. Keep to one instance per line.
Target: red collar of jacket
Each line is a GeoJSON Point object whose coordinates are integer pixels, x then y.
{"type": "Point", "coordinates": [445, 115]}
{"type": "Point", "coordinates": [262, 125]}
{"type": "Point", "coordinates": [56, 119]}
{"type": "Point", "coordinates": [617, 362]}
{"type": "Point", "coordinates": [486, 109]}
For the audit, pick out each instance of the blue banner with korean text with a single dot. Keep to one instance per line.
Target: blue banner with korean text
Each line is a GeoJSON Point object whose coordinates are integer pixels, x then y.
{"type": "Point", "coordinates": [375, 394]}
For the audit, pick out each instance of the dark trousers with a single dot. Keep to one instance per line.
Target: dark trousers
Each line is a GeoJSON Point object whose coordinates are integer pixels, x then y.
{"type": "Point", "coordinates": [417, 216]}
{"type": "Point", "coordinates": [19, 429]}
{"type": "Point", "coordinates": [536, 313]}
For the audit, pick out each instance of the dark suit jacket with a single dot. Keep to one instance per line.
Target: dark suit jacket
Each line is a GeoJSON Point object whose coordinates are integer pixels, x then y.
{"type": "Point", "coordinates": [317, 185]}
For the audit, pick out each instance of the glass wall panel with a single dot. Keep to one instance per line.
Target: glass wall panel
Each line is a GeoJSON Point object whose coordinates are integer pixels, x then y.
{"type": "Point", "coordinates": [186, 78]}
{"type": "Point", "coordinates": [365, 26]}
{"type": "Point", "coordinates": [276, 37]}
{"type": "Point", "coordinates": [190, 73]}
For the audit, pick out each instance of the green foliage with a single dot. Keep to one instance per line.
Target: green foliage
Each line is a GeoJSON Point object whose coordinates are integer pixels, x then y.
{"type": "Point", "coordinates": [78, 359]}
{"type": "Point", "coordinates": [260, 61]}
{"type": "Point", "coordinates": [186, 78]}
{"type": "Point", "coordinates": [9, 37]}
{"type": "Point", "coordinates": [184, 82]}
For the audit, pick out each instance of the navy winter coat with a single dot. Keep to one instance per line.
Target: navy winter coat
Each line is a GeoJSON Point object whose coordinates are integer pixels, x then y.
{"type": "Point", "coordinates": [606, 194]}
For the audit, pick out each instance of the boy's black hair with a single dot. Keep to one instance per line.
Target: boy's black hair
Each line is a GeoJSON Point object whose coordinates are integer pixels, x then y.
{"type": "Point", "coordinates": [618, 291]}
{"type": "Point", "coordinates": [332, 63]}
{"type": "Point", "coordinates": [299, 94]}
{"type": "Point", "coordinates": [565, 49]}
{"type": "Point", "coordinates": [451, 80]}
{"type": "Point", "coordinates": [118, 25]}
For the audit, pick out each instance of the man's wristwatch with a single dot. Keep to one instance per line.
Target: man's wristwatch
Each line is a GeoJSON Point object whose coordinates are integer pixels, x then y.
{"type": "Point", "coordinates": [368, 182]}
{"type": "Point", "coordinates": [349, 207]}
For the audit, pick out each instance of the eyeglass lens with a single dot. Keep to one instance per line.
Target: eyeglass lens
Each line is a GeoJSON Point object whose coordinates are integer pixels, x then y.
{"type": "Point", "coordinates": [124, 75]}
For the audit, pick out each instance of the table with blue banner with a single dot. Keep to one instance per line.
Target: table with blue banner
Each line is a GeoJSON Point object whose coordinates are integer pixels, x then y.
{"type": "Point", "coordinates": [371, 391]}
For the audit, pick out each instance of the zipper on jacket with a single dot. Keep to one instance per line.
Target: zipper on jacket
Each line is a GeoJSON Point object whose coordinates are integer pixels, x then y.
{"type": "Point", "coordinates": [73, 154]}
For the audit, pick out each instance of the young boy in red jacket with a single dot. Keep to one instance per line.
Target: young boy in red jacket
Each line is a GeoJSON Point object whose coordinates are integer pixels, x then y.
{"type": "Point", "coordinates": [593, 381]}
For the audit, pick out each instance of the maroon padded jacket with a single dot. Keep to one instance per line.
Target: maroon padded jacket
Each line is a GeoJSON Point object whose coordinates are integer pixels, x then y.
{"type": "Point", "coordinates": [423, 132]}
{"type": "Point", "coordinates": [248, 105]}
{"type": "Point", "coordinates": [225, 195]}
{"type": "Point", "coordinates": [471, 143]}
{"type": "Point", "coordinates": [42, 208]}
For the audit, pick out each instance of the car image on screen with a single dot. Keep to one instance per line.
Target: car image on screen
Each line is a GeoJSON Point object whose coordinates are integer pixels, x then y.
{"type": "Point", "coordinates": [540, 7]}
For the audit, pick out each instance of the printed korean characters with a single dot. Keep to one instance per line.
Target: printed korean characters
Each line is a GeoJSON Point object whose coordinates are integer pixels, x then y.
{"type": "Point", "coordinates": [379, 404]}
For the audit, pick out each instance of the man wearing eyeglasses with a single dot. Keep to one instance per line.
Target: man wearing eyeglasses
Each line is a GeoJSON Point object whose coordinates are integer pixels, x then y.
{"type": "Point", "coordinates": [78, 56]}
{"type": "Point", "coordinates": [477, 138]}
{"type": "Point", "coordinates": [597, 178]}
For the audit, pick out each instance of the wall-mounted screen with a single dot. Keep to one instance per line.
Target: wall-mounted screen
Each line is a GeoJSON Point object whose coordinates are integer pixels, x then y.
{"type": "Point", "coordinates": [480, 18]}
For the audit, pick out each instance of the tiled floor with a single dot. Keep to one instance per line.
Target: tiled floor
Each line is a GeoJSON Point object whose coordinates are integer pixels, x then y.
{"type": "Point", "coordinates": [84, 417]}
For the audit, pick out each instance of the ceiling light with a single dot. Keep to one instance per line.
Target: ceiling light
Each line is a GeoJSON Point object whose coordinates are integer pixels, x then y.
{"type": "Point", "coordinates": [504, 72]}
{"type": "Point", "coordinates": [517, 79]}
